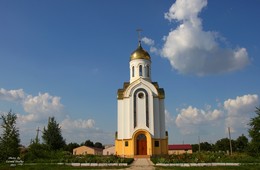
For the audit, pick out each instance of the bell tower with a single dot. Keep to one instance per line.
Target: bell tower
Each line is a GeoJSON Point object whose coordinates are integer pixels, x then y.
{"type": "Point", "coordinates": [140, 64]}
{"type": "Point", "coordinates": [140, 111]}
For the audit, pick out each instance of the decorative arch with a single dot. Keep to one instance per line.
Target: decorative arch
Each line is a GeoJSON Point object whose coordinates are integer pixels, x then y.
{"type": "Point", "coordinates": [150, 88]}
{"type": "Point", "coordinates": [142, 142]}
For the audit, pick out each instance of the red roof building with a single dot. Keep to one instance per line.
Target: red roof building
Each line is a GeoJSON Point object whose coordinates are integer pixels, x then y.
{"type": "Point", "coordinates": [179, 149]}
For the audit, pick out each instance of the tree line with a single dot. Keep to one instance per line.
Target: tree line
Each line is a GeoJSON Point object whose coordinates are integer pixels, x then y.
{"type": "Point", "coordinates": [241, 144]}
{"type": "Point", "coordinates": [53, 144]}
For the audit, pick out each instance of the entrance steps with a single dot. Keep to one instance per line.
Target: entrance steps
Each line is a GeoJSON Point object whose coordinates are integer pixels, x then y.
{"type": "Point", "coordinates": [141, 156]}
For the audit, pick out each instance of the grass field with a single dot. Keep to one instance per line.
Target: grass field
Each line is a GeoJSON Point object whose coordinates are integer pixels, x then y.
{"type": "Point", "coordinates": [52, 167]}
{"type": "Point", "coordinates": [62, 167]}
{"type": "Point", "coordinates": [243, 167]}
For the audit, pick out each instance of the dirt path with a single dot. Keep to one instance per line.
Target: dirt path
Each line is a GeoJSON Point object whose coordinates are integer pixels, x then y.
{"type": "Point", "coordinates": [142, 163]}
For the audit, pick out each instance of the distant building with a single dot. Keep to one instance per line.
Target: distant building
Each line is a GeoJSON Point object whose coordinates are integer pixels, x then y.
{"type": "Point", "coordinates": [109, 150]}
{"type": "Point", "coordinates": [179, 149]}
{"type": "Point", "coordinates": [85, 150]}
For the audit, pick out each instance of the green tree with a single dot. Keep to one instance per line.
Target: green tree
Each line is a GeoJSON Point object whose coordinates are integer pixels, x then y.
{"type": "Point", "coordinates": [241, 143]}
{"type": "Point", "coordinates": [205, 146]}
{"type": "Point", "coordinates": [69, 147]}
{"type": "Point", "coordinates": [37, 151]}
{"type": "Point", "coordinates": [89, 143]}
{"type": "Point", "coordinates": [52, 135]}
{"type": "Point", "coordinates": [254, 133]}
{"type": "Point", "coordinates": [98, 145]}
{"type": "Point", "coordinates": [224, 145]}
{"type": "Point", "coordinates": [195, 147]}
{"type": "Point", "coordinates": [9, 140]}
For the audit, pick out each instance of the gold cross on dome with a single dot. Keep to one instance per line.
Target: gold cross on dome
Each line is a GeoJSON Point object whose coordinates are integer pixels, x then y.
{"type": "Point", "coordinates": [139, 30]}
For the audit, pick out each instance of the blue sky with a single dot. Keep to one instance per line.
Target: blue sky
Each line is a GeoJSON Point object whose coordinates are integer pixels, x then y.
{"type": "Point", "coordinates": [68, 58]}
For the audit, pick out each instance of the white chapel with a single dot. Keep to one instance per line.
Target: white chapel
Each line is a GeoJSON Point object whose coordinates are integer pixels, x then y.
{"type": "Point", "coordinates": [141, 112]}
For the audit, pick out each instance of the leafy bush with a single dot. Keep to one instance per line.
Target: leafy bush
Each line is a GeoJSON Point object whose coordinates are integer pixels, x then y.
{"type": "Point", "coordinates": [104, 159]}
{"type": "Point", "coordinates": [40, 153]}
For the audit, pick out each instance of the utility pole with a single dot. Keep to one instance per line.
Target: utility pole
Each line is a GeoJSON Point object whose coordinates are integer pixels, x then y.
{"type": "Point", "coordinates": [230, 143]}
{"type": "Point", "coordinates": [37, 135]}
{"type": "Point", "coordinates": [199, 142]}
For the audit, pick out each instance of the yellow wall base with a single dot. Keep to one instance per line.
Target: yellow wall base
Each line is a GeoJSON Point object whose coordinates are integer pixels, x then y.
{"type": "Point", "coordinates": [128, 147]}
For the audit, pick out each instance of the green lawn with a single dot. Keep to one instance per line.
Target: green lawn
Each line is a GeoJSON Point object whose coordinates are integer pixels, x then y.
{"type": "Point", "coordinates": [243, 167]}
{"type": "Point", "coordinates": [63, 167]}
{"type": "Point", "coordinates": [51, 167]}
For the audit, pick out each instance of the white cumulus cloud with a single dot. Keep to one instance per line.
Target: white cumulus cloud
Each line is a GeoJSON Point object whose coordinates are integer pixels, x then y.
{"type": "Point", "coordinates": [42, 106]}
{"type": "Point", "coordinates": [185, 10]}
{"type": "Point", "coordinates": [190, 118]}
{"type": "Point", "coordinates": [169, 119]}
{"type": "Point", "coordinates": [79, 130]}
{"type": "Point", "coordinates": [191, 50]}
{"type": "Point", "coordinates": [78, 124]}
{"type": "Point", "coordinates": [193, 115]}
{"type": "Point", "coordinates": [239, 111]}
{"type": "Point", "coordinates": [234, 113]}
{"type": "Point", "coordinates": [36, 107]}
{"type": "Point", "coordinates": [12, 95]}
{"type": "Point", "coordinates": [148, 41]}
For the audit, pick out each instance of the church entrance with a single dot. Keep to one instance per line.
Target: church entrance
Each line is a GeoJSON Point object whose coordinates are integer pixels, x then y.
{"type": "Point", "coordinates": [141, 143]}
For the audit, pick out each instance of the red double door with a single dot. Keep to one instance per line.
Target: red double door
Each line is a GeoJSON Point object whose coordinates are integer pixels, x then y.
{"type": "Point", "coordinates": [141, 145]}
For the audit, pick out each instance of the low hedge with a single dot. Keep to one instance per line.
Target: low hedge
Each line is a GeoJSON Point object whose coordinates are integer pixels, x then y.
{"type": "Point", "coordinates": [206, 157]}
{"type": "Point", "coordinates": [63, 157]}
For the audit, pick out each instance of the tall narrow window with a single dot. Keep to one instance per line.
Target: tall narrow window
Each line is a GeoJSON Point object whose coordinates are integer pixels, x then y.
{"type": "Point", "coordinates": [147, 109]}
{"type": "Point", "coordinates": [133, 71]}
{"type": "Point", "coordinates": [140, 70]}
{"type": "Point", "coordinates": [148, 71]}
{"type": "Point", "coordinates": [135, 118]}
{"type": "Point", "coordinates": [138, 94]}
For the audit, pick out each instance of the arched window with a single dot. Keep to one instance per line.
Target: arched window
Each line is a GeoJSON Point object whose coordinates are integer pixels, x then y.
{"type": "Point", "coordinates": [140, 70]}
{"type": "Point", "coordinates": [133, 71]}
{"type": "Point", "coordinates": [148, 71]}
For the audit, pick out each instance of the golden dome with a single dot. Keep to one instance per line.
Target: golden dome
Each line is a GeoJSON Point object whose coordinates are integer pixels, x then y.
{"type": "Point", "coordinates": [140, 53]}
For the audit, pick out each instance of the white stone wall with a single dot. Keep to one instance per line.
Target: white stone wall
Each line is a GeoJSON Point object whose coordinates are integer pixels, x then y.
{"type": "Point", "coordinates": [162, 118]}
{"type": "Point", "coordinates": [156, 118]}
{"type": "Point", "coordinates": [120, 119]}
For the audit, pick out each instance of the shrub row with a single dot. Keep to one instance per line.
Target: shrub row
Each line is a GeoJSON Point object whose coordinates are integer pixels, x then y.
{"type": "Point", "coordinates": [206, 157]}
{"type": "Point", "coordinates": [65, 157]}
